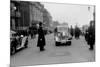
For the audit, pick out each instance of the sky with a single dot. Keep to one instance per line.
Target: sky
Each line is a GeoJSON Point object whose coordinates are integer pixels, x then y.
{"type": "Point", "coordinates": [71, 14]}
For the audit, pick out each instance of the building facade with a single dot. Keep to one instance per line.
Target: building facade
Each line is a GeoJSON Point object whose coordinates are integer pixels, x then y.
{"type": "Point", "coordinates": [25, 14]}
{"type": "Point", "coordinates": [36, 14]}
{"type": "Point", "coordinates": [47, 19]}
{"type": "Point", "coordinates": [15, 14]}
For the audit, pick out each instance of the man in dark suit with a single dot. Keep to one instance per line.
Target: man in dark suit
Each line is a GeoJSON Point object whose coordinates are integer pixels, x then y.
{"type": "Point", "coordinates": [41, 38]}
{"type": "Point", "coordinates": [91, 35]}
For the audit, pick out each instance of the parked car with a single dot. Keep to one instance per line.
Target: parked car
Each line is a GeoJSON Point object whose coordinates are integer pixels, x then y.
{"type": "Point", "coordinates": [62, 36]}
{"type": "Point", "coordinates": [17, 42]}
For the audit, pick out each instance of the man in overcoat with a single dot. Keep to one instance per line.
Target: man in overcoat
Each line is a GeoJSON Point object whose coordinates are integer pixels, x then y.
{"type": "Point", "coordinates": [91, 35]}
{"type": "Point", "coordinates": [41, 38]}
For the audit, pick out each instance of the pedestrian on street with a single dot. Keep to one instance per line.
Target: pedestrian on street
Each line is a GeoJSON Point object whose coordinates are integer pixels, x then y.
{"type": "Point", "coordinates": [77, 32]}
{"type": "Point", "coordinates": [41, 38]}
{"type": "Point", "coordinates": [86, 36]}
{"type": "Point", "coordinates": [91, 36]}
{"type": "Point", "coordinates": [72, 31]}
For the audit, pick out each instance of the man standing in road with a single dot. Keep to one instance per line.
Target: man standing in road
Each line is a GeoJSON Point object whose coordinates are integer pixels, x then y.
{"type": "Point", "coordinates": [41, 38]}
{"type": "Point", "coordinates": [91, 35]}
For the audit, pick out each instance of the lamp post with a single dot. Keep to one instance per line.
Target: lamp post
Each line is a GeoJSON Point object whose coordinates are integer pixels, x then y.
{"type": "Point", "coordinates": [94, 14]}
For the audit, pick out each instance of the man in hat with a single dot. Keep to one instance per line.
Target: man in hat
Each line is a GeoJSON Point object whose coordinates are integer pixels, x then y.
{"type": "Point", "coordinates": [41, 38]}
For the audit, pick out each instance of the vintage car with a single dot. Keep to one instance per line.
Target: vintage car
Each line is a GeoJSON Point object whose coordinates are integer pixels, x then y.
{"type": "Point", "coordinates": [17, 42]}
{"type": "Point", "coordinates": [62, 36]}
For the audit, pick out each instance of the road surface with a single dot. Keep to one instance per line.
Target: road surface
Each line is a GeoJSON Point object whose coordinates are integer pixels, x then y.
{"type": "Point", "coordinates": [77, 52]}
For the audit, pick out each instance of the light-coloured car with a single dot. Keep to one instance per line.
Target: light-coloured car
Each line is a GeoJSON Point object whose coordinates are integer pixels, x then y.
{"type": "Point", "coordinates": [17, 42]}
{"type": "Point", "coordinates": [62, 36]}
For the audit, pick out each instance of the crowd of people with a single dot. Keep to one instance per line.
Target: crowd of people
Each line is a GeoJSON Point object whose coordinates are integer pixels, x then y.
{"type": "Point", "coordinates": [89, 34]}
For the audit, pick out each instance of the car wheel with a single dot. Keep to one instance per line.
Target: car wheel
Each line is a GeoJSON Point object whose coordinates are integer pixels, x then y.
{"type": "Point", "coordinates": [69, 43]}
{"type": "Point", "coordinates": [57, 43]}
{"type": "Point", "coordinates": [13, 50]}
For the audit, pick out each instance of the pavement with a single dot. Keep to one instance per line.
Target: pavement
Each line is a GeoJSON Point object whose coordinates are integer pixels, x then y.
{"type": "Point", "coordinates": [77, 52]}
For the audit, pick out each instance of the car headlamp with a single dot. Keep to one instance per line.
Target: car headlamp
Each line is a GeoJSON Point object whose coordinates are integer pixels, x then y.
{"type": "Point", "coordinates": [21, 35]}
{"type": "Point", "coordinates": [57, 38]}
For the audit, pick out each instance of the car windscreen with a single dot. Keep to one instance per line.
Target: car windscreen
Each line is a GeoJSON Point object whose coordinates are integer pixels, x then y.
{"type": "Point", "coordinates": [62, 29]}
